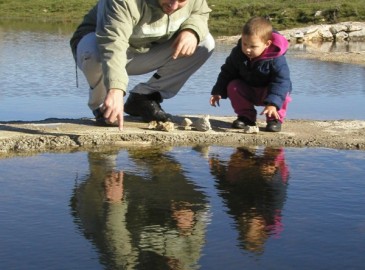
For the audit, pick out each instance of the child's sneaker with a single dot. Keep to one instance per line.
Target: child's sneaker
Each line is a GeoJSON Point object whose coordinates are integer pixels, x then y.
{"type": "Point", "coordinates": [273, 126]}
{"type": "Point", "coordinates": [241, 122]}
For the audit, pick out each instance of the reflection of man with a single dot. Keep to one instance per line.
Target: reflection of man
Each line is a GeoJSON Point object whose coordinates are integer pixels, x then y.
{"type": "Point", "coordinates": [152, 217]}
{"type": "Point", "coordinates": [99, 206]}
{"type": "Point", "coordinates": [255, 190]}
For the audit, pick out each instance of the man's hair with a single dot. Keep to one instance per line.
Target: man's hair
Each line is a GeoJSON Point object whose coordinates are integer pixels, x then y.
{"type": "Point", "coordinates": [258, 26]}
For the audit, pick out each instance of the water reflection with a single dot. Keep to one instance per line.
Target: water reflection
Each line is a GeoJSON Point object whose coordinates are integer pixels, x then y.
{"type": "Point", "coordinates": [253, 185]}
{"type": "Point", "coordinates": [184, 208]}
{"type": "Point", "coordinates": [152, 218]}
{"type": "Point", "coordinates": [326, 47]}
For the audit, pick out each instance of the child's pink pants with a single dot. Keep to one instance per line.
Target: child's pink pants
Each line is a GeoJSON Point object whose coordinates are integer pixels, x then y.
{"type": "Point", "coordinates": [244, 98]}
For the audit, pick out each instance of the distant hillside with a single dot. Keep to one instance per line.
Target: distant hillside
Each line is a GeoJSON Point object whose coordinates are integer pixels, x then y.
{"type": "Point", "coordinates": [229, 15]}
{"type": "Point", "coordinates": [226, 18]}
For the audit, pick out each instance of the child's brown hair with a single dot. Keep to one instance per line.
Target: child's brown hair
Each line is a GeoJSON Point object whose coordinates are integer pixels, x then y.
{"type": "Point", "coordinates": [258, 26]}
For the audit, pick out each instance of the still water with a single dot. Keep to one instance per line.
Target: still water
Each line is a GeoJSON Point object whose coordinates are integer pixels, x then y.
{"type": "Point", "coordinates": [38, 81]}
{"type": "Point", "coordinates": [202, 207]}
{"type": "Point", "coordinates": [198, 207]}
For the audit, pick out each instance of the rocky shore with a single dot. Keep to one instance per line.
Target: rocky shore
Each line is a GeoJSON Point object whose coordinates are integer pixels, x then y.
{"type": "Point", "coordinates": [24, 138]}
{"type": "Point", "coordinates": [342, 42]}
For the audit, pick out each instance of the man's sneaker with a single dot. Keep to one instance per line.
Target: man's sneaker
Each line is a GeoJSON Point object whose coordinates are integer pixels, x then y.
{"type": "Point", "coordinates": [241, 122]}
{"type": "Point", "coordinates": [273, 126]}
{"type": "Point", "coordinates": [146, 106]}
{"type": "Point", "coordinates": [100, 119]}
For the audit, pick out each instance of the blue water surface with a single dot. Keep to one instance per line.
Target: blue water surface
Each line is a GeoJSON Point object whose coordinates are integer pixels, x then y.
{"type": "Point", "coordinates": [38, 81]}
{"type": "Point", "coordinates": [202, 207]}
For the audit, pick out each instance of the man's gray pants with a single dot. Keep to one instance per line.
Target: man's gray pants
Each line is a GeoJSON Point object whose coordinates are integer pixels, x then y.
{"type": "Point", "coordinates": [169, 78]}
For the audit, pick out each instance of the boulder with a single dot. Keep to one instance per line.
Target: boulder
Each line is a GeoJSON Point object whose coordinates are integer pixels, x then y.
{"type": "Point", "coordinates": [344, 31]}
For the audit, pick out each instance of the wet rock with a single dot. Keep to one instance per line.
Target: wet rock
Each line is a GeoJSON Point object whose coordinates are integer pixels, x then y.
{"type": "Point", "coordinates": [354, 31]}
{"type": "Point", "coordinates": [152, 125]}
{"type": "Point", "coordinates": [325, 34]}
{"type": "Point", "coordinates": [338, 28]}
{"type": "Point", "coordinates": [203, 123]}
{"type": "Point", "coordinates": [353, 27]}
{"type": "Point", "coordinates": [251, 129]}
{"type": "Point", "coordinates": [357, 35]}
{"type": "Point", "coordinates": [345, 31]}
{"type": "Point", "coordinates": [186, 124]}
{"type": "Point", "coordinates": [163, 126]}
{"type": "Point", "coordinates": [167, 126]}
{"type": "Point", "coordinates": [342, 36]}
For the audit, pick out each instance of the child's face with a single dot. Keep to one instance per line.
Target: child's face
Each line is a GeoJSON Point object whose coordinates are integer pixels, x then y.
{"type": "Point", "coordinates": [253, 46]}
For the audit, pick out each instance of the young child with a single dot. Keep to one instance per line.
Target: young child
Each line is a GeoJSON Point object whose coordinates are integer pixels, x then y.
{"type": "Point", "coordinates": [256, 74]}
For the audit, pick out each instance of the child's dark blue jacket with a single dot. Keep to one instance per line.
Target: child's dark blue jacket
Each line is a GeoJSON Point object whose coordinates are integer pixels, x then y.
{"type": "Point", "coordinates": [268, 70]}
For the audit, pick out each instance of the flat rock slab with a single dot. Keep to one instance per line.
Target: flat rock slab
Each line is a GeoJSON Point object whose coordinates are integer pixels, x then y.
{"type": "Point", "coordinates": [22, 137]}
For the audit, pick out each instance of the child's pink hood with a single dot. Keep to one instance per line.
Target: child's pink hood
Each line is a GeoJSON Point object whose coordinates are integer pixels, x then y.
{"type": "Point", "coordinates": [278, 47]}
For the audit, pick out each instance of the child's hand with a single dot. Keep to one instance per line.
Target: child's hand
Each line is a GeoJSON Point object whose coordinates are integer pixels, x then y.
{"type": "Point", "coordinates": [215, 100]}
{"type": "Point", "coordinates": [271, 111]}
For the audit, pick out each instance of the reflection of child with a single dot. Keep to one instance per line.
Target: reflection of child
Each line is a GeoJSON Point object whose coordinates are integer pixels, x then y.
{"type": "Point", "coordinates": [253, 185]}
{"type": "Point", "coordinates": [256, 74]}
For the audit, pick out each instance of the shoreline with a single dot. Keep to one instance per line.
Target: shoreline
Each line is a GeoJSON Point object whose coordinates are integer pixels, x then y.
{"type": "Point", "coordinates": [314, 51]}
{"type": "Point", "coordinates": [59, 135]}
{"type": "Point", "coordinates": [353, 58]}
{"type": "Point", "coordinates": [324, 42]}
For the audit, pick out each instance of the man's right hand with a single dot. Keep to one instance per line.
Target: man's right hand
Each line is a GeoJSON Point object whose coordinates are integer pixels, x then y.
{"type": "Point", "coordinates": [114, 107]}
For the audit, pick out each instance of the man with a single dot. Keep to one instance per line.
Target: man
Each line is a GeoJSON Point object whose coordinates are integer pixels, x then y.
{"type": "Point", "coordinates": [118, 38]}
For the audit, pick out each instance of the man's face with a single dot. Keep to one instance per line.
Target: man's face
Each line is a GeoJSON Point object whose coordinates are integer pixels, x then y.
{"type": "Point", "coordinates": [170, 6]}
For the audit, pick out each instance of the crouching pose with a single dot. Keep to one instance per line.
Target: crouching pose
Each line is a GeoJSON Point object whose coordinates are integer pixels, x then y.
{"type": "Point", "coordinates": [256, 74]}
{"type": "Point", "coordinates": [119, 38]}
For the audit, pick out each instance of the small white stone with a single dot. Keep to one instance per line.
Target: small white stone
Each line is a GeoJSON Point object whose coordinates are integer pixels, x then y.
{"type": "Point", "coordinates": [152, 125]}
{"type": "Point", "coordinates": [167, 126]}
{"type": "Point", "coordinates": [251, 129]}
{"type": "Point", "coordinates": [203, 124]}
{"type": "Point", "coordinates": [186, 123]}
